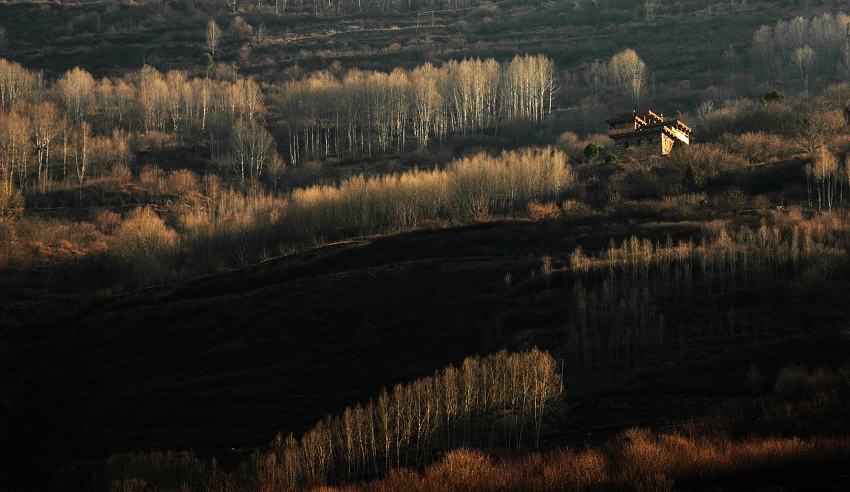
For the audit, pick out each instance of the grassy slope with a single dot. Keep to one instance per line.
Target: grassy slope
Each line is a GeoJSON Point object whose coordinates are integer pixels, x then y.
{"type": "Point", "coordinates": [228, 360]}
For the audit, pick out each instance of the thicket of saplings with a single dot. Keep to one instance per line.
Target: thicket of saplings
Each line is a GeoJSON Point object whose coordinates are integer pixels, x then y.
{"type": "Point", "coordinates": [499, 400]}
{"type": "Point", "coordinates": [354, 115]}
{"type": "Point", "coordinates": [783, 433]}
{"type": "Point", "coordinates": [75, 144]}
{"type": "Point", "coordinates": [787, 432]}
{"type": "Point", "coordinates": [619, 301]}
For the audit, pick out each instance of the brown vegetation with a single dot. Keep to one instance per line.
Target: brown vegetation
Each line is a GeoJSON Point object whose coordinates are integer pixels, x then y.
{"type": "Point", "coordinates": [365, 120]}
{"type": "Point", "coordinates": [703, 453]}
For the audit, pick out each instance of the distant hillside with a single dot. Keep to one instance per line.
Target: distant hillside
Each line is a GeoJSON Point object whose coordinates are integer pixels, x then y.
{"type": "Point", "coordinates": [209, 242]}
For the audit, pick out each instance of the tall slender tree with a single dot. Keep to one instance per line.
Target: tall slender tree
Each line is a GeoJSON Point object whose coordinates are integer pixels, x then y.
{"type": "Point", "coordinates": [629, 73]}
{"type": "Point", "coordinates": [212, 36]}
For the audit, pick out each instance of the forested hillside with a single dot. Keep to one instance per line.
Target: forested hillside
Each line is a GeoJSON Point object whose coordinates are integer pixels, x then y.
{"type": "Point", "coordinates": [396, 236]}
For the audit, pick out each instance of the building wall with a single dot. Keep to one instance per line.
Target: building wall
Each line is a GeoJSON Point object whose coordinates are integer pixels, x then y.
{"type": "Point", "coordinates": [652, 143]}
{"type": "Point", "coordinates": [666, 144]}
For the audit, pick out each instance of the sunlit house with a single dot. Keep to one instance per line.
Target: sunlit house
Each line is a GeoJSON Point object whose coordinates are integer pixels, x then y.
{"type": "Point", "coordinates": [647, 129]}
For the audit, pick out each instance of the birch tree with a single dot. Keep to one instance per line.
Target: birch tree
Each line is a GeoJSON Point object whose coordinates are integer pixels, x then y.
{"type": "Point", "coordinates": [175, 80]}
{"type": "Point", "coordinates": [47, 123]}
{"type": "Point", "coordinates": [152, 99]}
{"type": "Point", "coordinates": [15, 147]}
{"type": "Point", "coordinates": [15, 83]}
{"type": "Point", "coordinates": [426, 102]}
{"type": "Point", "coordinates": [804, 58]}
{"type": "Point", "coordinates": [77, 93]}
{"type": "Point", "coordinates": [762, 48]}
{"type": "Point", "coordinates": [212, 36]}
{"type": "Point", "coordinates": [252, 148]}
{"type": "Point", "coordinates": [629, 72]}
{"type": "Point", "coordinates": [825, 171]}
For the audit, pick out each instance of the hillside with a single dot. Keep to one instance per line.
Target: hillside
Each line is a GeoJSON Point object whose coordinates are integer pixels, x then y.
{"type": "Point", "coordinates": [222, 363]}
{"type": "Point", "coordinates": [389, 245]}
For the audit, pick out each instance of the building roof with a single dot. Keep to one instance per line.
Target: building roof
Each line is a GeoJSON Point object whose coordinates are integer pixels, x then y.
{"type": "Point", "coordinates": [646, 119]}
{"type": "Point", "coordinates": [642, 117]}
{"type": "Point", "coordinates": [640, 123]}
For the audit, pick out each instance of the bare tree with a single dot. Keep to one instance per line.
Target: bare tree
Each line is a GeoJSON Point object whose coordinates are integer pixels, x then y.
{"type": "Point", "coordinates": [16, 82]}
{"type": "Point", "coordinates": [817, 127]}
{"type": "Point", "coordinates": [628, 72]}
{"type": "Point", "coordinates": [245, 99]}
{"type": "Point", "coordinates": [426, 101]}
{"type": "Point", "coordinates": [798, 31]}
{"type": "Point", "coordinates": [105, 95]}
{"type": "Point", "coordinates": [826, 171]}
{"type": "Point", "coordinates": [175, 81]}
{"type": "Point", "coordinates": [253, 148]}
{"type": "Point", "coordinates": [125, 97]}
{"type": "Point", "coordinates": [546, 84]}
{"type": "Point", "coordinates": [804, 58]}
{"type": "Point", "coordinates": [47, 123]}
{"type": "Point", "coordinates": [763, 48]}
{"type": "Point", "coordinates": [81, 149]}
{"type": "Point", "coordinates": [595, 75]}
{"type": "Point", "coordinates": [152, 99]}
{"type": "Point", "coordinates": [77, 93]}
{"type": "Point", "coordinates": [15, 147]}
{"type": "Point", "coordinates": [213, 36]}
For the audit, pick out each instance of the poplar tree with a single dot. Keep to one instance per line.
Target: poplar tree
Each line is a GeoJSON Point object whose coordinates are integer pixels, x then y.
{"type": "Point", "coordinates": [629, 73]}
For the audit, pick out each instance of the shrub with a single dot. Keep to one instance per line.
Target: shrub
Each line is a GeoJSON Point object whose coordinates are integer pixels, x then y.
{"type": "Point", "coordinates": [684, 206]}
{"type": "Point", "coordinates": [143, 249]}
{"type": "Point", "coordinates": [774, 96]}
{"type": "Point", "coordinates": [756, 146]}
{"type": "Point", "coordinates": [542, 211]}
{"type": "Point", "coordinates": [11, 202]}
{"type": "Point", "coordinates": [711, 163]}
{"type": "Point", "coordinates": [732, 200]}
{"type": "Point", "coordinates": [795, 383]}
{"type": "Point", "coordinates": [106, 220]}
{"type": "Point", "coordinates": [744, 115]}
{"type": "Point", "coordinates": [155, 471]}
{"type": "Point", "coordinates": [183, 184]}
{"type": "Point", "coordinates": [577, 210]}
{"type": "Point", "coordinates": [460, 470]}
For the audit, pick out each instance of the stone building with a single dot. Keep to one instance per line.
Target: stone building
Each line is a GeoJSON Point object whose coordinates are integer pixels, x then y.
{"type": "Point", "coordinates": [647, 129]}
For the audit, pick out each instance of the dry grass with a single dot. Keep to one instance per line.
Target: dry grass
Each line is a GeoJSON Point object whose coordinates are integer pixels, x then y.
{"type": "Point", "coordinates": [638, 460]}
{"type": "Point", "coordinates": [35, 242]}
{"type": "Point", "coordinates": [543, 211]}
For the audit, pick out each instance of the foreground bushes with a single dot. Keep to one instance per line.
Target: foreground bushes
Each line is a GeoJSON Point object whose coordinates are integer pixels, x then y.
{"type": "Point", "coordinates": [803, 419]}
{"type": "Point", "coordinates": [722, 449]}
{"type": "Point", "coordinates": [638, 460]}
